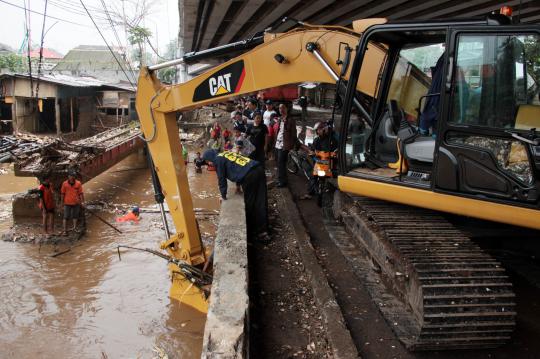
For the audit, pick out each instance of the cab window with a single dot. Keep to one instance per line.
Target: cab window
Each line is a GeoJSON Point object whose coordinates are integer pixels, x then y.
{"type": "Point", "coordinates": [495, 81]}
{"type": "Point", "coordinates": [413, 75]}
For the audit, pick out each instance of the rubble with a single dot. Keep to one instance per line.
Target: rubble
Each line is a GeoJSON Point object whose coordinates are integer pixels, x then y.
{"type": "Point", "coordinates": [37, 155]}
{"type": "Point", "coordinates": [32, 233]}
{"type": "Point", "coordinates": [21, 146]}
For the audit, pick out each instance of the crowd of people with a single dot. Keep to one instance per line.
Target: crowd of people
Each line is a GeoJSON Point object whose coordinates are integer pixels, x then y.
{"type": "Point", "coordinates": [259, 132]}
{"type": "Point", "coordinates": [236, 152]}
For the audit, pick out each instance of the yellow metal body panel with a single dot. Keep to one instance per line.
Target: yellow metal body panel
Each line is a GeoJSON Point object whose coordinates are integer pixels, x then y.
{"type": "Point", "coordinates": [186, 292]}
{"type": "Point", "coordinates": [262, 71]}
{"type": "Point", "coordinates": [519, 216]}
{"type": "Point", "coordinates": [157, 105]}
{"type": "Point", "coordinates": [166, 151]}
{"type": "Point", "coordinates": [528, 117]}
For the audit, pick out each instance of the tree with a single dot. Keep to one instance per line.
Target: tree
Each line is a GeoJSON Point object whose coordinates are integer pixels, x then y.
{"type": "Point", "coordinates": [169, 74]}
{"type": "Point", "coordinates": [532, 57]}
{"type": "Point", "coordinates": [137, 36]}
{"type": "Point", "coordinates": [130, 15]}
{"type": "Point", "coordinates": [12, 63]}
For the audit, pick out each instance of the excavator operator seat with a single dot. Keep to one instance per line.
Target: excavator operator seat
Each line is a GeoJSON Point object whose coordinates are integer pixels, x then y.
{"type": "Point", "coordinates": [422, 149]}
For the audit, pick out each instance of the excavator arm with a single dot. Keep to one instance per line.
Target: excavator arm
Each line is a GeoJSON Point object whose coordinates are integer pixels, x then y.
{"type": "Point", "coordinates": [309, 54]}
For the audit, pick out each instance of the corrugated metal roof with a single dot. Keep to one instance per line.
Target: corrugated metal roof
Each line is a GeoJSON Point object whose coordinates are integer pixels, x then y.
{"type": "Point", "coordinates": [73, 81]}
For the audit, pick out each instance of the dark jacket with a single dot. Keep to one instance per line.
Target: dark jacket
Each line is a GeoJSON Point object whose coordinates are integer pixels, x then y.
{"type": "Point", "coordinates": [289, 135]}
{"type": "Point", "coordinates": [326, 143]}
{"type": "Point", "coordinates": [229, 166]}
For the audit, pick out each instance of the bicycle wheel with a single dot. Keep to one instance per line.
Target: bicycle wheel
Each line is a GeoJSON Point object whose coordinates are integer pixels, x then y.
{"type": "Point", "coordinates": [292, 167]}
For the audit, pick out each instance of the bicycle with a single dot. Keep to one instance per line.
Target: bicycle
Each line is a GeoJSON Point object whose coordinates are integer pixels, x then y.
{"type": "Point", "coordinates": [298, 159]}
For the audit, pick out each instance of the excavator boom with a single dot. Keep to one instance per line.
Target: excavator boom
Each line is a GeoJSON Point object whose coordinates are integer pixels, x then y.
{"type": "Point", "coordinates": [303, 55]}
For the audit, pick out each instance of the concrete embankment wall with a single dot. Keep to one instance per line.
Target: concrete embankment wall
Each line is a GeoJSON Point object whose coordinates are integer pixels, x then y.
{"type": "Point", "coordinates": [226, 331]}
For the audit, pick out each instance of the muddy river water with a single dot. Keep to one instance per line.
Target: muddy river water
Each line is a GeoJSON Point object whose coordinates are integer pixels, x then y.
{"type": "Point", "coordinates": [87, 303]}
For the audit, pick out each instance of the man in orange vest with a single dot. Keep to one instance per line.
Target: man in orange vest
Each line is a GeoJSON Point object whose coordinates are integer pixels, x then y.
{"type": "Point", "coordinates": [72, 198]}
{"type": "Point", "coordinates": [46, 203]}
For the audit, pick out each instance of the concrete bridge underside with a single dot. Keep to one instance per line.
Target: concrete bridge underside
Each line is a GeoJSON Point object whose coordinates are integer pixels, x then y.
{"type": "Point", "coordinates": [209, 23]}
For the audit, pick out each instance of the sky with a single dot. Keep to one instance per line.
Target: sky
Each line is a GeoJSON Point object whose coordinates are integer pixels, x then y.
{"type": "Point", "coordinates": [73, 26]}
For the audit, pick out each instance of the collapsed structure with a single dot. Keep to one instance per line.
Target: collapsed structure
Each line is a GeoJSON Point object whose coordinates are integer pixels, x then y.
{"type": "Point", "coordinates": [60, 104]}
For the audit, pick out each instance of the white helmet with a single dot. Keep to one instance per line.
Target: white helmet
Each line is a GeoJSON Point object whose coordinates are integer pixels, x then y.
{"type": "Point", "coordinates": [318, 125]}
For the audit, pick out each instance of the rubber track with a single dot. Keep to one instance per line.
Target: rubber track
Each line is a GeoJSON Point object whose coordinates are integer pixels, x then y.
{"type": "Point", "coordinates": [461, 296]}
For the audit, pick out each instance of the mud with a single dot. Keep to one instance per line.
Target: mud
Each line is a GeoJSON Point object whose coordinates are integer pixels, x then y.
{"type": "Point", "coordinates": [84, 302]}
{"type": "Point", "coordinates": [285, 319]}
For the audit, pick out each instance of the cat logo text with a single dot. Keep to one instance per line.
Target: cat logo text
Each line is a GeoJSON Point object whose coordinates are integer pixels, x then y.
{"type": "Point", "coordinates": [223, 82]}
{"type": "Point", "coordinates": [220, 85]}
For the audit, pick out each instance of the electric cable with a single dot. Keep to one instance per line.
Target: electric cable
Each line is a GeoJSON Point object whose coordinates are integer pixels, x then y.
{"type": "Point", "coordinates": [153, 49]}
{"type": "Point", "coordinates": [41, 49]}
{"type": "Point", "coordinates": [73, 10]}
{"type": "Point", "coordinates": [106, 43]}
{"type": "Point", "coordinates": [40, 13]}
{"type": "Point", "coordinates": [29, 43]}
{"type": "Point", "coordinates": [116, 35]}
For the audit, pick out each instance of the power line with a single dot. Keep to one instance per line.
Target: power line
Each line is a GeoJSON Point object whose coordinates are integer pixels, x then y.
{"type": "Point", "coordinates": [116, 35]}
{"type": "Point", "coordinates": [111, 22]}
{"type": "Point", "coordinates": [106, 43]}
{"type": "Point", "coordinates": [40, 13]}
{"type": "Point", "coordinates": [74, 9]}
{"type": "Point", "coordinates": [29, 43]}
{"type": "Point", "coordinates": [153, 49]}
{"type": "Point", "coordinates": [41, 47]}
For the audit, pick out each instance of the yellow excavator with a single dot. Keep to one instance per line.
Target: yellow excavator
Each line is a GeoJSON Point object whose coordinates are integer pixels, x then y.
{"type": "Point", "coordinates": [437, 116]}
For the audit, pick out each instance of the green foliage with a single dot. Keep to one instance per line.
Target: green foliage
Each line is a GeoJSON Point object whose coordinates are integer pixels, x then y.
{"type": "Point", "coordinates": [532, 58]}
{"type": "Point", "coordinates": [12, 63]}
{"type": "Point", "coordinates": [168, 75]}
{"type": "Point", "coordinates": [138, 35]}
{"type": "Point", "coordinates": [170, 52]}
{"type": "Point", "coordinates": [137, 53]}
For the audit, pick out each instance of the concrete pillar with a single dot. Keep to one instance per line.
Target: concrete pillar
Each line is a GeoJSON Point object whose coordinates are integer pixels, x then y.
{"type": "Point", "coordinates": [57, 116]}
{"type": "Point", "coordinates": [181, 70]}
{"type": "Point", "coordinates": [71, 113]}
{"type": "Point", "coordinates": [14, 123]}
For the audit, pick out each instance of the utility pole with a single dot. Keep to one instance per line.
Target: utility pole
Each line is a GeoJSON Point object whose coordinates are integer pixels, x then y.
{"type": "Point", "coordinates": [126, 51]}
{"type": "Point", "coordinates": [181, 73]}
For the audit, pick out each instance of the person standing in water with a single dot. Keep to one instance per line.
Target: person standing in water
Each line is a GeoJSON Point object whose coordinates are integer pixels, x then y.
{"type": "Point", "coordinates": [72, 198]}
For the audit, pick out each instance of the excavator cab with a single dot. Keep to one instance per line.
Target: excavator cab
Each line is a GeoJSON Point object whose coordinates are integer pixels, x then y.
{"type": "Point", "coordinates": [455, 113]}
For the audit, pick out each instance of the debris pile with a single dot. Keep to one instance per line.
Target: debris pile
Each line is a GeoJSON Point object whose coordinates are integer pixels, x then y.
{"type": "Point", "coordinates": [21, 146]}
{"type": "Point", "coordinates": [35, 155]}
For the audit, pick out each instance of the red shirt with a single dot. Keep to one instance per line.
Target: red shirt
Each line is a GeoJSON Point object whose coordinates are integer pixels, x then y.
{"type": "Point", "coordinates": [72, 192]}
{"type": "Point", "coordinates": [46, 194]}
